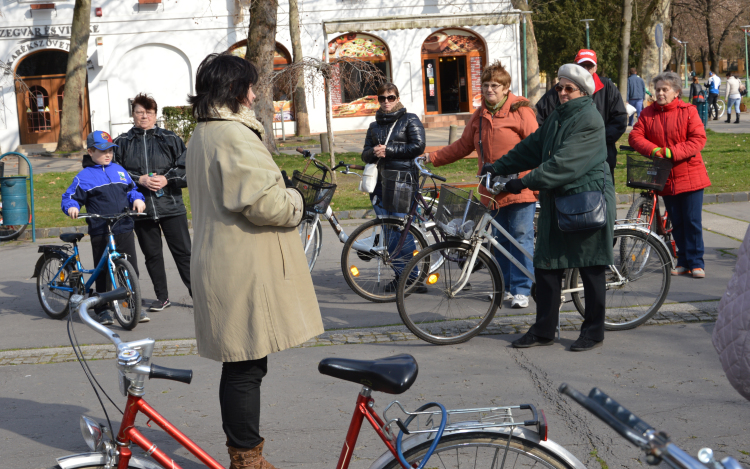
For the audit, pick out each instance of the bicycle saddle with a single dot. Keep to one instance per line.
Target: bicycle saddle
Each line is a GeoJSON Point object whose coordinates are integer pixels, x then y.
{"type": "Point", "coordinates": [71, 237]}
{"type": "Point", "coordinates": [392, 375]}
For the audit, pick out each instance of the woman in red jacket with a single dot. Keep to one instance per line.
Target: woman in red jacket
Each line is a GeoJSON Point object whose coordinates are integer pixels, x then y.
{"type": "Point", "coordinates": [506, 120]}
{"type": "Point", "coordinates": [671, 128]}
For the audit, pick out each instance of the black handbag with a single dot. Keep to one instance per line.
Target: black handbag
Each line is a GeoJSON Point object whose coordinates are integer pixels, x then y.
{"type": "Point", "coordinates": [583, 211]}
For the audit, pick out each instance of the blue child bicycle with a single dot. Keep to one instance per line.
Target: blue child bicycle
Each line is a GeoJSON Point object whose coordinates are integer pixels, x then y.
{"type": "Point", "coordinates": [59, 275]}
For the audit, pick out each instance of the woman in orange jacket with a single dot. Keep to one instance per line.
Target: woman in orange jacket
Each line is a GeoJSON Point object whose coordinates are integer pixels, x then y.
{"type": "Point", "coordinates": [504, 120]}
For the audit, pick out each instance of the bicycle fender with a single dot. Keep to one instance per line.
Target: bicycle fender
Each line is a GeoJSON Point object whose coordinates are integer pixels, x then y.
{"type": "Point", "coordinates": [48, 251]}
{"type": "Point", "coordinates": [74, 461]}
{"type": "Point", "coordinates": [646, 231]}
{"type": "Point", "coordinates": [519, 432]}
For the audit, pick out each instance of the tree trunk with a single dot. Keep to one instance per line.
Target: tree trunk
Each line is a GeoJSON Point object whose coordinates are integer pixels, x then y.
{"type": "Point", "coordinates": [691, 61]}
{"type": "Point", "coordinates": [300, 105]}
{"type": "Point", "coordinates": [532, 56]}
{"type": "Point", "coordinates": [261, 44]}
{"type": "Point", "coordinates": [329, 125]}
{"type": "Point", "coordinates": [75, 80]}
{"type": "Point", "coordinates": [657, 12]}
{"type": "Point", "coordinates": [627, 21]}
{"type": "Point", "coordinates": [704, 61]}
{"type": "Point", "coordinates": [712, 57]}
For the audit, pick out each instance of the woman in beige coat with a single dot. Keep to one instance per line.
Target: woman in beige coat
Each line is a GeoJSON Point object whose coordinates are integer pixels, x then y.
{"type": "Point", "coordinates": [252, 291]}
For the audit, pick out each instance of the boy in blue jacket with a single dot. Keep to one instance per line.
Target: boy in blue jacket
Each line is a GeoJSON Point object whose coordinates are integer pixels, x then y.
{"type": "Point", "coordinates": [105, 188]}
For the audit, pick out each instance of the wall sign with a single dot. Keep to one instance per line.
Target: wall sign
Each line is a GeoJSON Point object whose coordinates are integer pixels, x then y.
{"type": "Point", "coordinates": [48, 43]}
{"type": "Point", "coordinates": [45, 31]}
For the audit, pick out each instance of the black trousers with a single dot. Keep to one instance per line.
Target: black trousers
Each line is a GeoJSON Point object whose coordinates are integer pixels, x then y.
{"type": "Point", "coordinates": [176, 233]}
{"type": "Point", "coordinates": [712, 98]}
{"type": "Point", "coordinates": [548, 287]}
{"type": "Point", "coordinates": [125, 244]}
{"type": "Point", "coordinates": [239, 398]}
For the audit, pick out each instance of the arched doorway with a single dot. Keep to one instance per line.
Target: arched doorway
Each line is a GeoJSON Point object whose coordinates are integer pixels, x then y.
{"type": "Point", "coordinates": [282, 91]}
{"type": "Point", "coordinates": [452, 63]}
{"type": "Point", "coordinates": [40, 107]}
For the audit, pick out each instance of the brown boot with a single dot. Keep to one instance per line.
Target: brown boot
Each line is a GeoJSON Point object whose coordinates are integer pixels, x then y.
{"type": "Point", "coordinates": [248, 458]}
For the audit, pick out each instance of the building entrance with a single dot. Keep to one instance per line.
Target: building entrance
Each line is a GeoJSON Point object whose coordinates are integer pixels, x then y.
{"type": "Point", "coordinates": [40, 106]}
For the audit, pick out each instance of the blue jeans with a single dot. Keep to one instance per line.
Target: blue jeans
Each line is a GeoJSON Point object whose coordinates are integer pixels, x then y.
{"type": "Point", "coordinates": [685, 211]}
{"type": "Point", "coordinates": [518, 221]}
{"type": "Point", "coordinates": [406, 253]}
{"type": "Point", "coordinates": [733, 103]}
{"type": "Point", "coordinates": [638, 105]}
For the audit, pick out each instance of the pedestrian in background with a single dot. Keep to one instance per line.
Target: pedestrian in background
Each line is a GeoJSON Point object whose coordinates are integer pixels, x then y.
{"type": "Point", "coordinates": [672, 129]}
{"type": "Point", "coordinates": [507, 119]}
{"type": "Point", "coordinates": [253, 292]}
{"type": "Point", "coordinates": [608, 102]}
{"type": "Point", "coordinates": [733, 97]}
{"type": "Point", "coordinates": [695, 90]}
{"type": "Point", "coordinates": [636, 93]}
{"type": "Point", "coordinates": [569, 154]}
{"type": "Point", "coordinates": [154, 158]}
{"type": "Point", "coordinates": [714, 82]}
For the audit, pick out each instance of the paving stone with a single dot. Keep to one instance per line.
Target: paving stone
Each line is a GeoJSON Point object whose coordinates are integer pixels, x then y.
{"type": "Point", "coordinates": [709, 199]}
{"type": "Point", "coordinates": [740, 196]}
{"type": "Point", "coordinates": [724, 198]}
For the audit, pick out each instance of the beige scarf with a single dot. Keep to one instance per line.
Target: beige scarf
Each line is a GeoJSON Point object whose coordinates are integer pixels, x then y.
{"type": "Point", "coordinates": [246, 117]}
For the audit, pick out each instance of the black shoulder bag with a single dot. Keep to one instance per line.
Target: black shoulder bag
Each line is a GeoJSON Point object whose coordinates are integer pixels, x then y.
{"type": "Point", "coordinates": [583, 211]}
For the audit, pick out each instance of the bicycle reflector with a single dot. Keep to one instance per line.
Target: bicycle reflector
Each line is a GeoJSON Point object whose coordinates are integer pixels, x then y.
{"type": "Point", "coordinates": [92, 433]}
{"type": "Point", "coordinates": [433, 278]}
{"type": "Point", "coordinates": [416, 251]}
{"type": "Point", "coordinates": [354, 270]}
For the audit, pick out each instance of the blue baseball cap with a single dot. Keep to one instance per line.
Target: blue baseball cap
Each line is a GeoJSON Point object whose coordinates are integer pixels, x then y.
{"type": "Point", "coordinates": [99, 140]}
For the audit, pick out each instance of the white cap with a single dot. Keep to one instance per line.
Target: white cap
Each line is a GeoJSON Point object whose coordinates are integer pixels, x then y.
{"type": "Point", "coordinates": [578, 75]}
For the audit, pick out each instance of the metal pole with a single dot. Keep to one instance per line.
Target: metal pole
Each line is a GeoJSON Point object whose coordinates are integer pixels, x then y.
{"type": "Point", "coordinates": [588, 42]}
{"type": "Point", "coordinates": [747, 69]}
{"type": "Point", "coordinates": [525, 63]}
{"type": "Point", "coordinates": [660, 56]}
{"type": "Point", "coordinates": [686, 66]}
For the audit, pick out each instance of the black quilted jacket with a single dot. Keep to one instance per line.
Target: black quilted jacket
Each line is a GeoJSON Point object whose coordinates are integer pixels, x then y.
{"type": "Point", "coordinates": [406, 143]}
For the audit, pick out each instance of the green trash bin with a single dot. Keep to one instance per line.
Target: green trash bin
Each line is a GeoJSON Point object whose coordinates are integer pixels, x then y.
{"type": "Point", "coordinates": [14, 202]}
{"type": "Point", "coordinates": [702, 105]}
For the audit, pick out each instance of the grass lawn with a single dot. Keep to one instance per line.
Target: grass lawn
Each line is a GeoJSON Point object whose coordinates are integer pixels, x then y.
{"type": "Point", "coordinates": [726, 156]}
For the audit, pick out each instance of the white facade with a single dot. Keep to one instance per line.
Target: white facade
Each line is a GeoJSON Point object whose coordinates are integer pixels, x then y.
{"type": "Point", "coordinates": [156, 49]}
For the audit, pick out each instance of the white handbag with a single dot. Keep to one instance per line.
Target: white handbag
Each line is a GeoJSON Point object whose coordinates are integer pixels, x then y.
{"type": "Point", "coordinates": [370, 174]}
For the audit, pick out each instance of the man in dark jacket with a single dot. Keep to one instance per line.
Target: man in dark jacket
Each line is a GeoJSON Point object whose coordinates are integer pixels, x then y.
{"type": "Point", "coordinates": [155, 159]}
{"type": "Point", "coordinates": [636, 93]}
{"type": "Point", "coordinates": [608, 102]}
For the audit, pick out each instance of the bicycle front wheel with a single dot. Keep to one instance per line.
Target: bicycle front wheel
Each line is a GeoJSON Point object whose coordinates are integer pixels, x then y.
{"type": "Point", "coordinates": [451, 310]}
{"type": "Point", "coordinates": [484, 450]}
{"type": "Point", "coordinates": [372, 260]}
{"type": "Point", "coordinates": [637, 282]}
{"type": "Point", "coordinates": [311, 234]}
{"type": "Point", "coordinates": [55, 303]}
{"type": "Point", "coordinates": [127, 311]}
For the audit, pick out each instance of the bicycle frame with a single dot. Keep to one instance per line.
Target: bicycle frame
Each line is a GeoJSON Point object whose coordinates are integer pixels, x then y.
{"type": "Point", "coordinates": [107, 259]}
{"type": "Point", "coordinates": [661, 225]}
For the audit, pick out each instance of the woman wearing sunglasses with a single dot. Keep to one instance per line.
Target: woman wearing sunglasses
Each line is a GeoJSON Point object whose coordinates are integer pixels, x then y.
{"type": "Point", "coordinates": [503, 120]}
{"type": "Point", "coordinates": [569, 154]}
{"type": "Point", "coordinates": [392, 142]}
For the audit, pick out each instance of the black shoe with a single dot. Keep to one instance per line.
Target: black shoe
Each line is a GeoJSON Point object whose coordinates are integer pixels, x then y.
{"type": "Point", "coordinates": [105, 318]}
{"type": "Point", "coordinates": [737, 121]}
{"type": "Point", "coordinates": [159, 305]}
{"type": "Point", "coordinates": [729, 119]}
{"type": "Point", "coordinates": [584, 343]}
{"type": "Point", "coordinates": [530, 340]}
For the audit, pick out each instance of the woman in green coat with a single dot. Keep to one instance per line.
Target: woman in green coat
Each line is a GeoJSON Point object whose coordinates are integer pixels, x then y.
{"type": "Point", "coordinates": [568, 155]}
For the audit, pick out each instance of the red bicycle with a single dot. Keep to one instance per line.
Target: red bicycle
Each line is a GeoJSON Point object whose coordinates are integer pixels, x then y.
{"type": "Point", "coordinates": [491, 437]}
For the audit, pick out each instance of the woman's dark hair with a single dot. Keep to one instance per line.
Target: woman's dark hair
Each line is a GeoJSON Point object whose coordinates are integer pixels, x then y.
{"type": "Point", "coordinates": [387, 87]}
{"type": "Point", "coordinates": [222, 80]}
{"type": "Point", "coordinates": [146, 101]}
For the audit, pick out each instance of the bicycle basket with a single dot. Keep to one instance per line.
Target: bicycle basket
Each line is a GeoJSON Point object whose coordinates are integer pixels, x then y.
{"type": "Point", "coordinates": [457, 214]}
{"type": "Point", "coordinates": [648, 173]}
{"type": "Point", "coordinates": [398, 190]}
{"type": "Point", "coordinates": [316, 192]}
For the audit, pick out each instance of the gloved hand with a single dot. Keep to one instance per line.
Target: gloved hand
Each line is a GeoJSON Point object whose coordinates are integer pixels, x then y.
{"type": "Point", "coordinates": [515, 186]}
{"type": "Point", "coordinates": [488, 169]}
{"type": "Point", "coordinates": [287, 182]}
{"type": "Point", "coordinates": [661, 152]}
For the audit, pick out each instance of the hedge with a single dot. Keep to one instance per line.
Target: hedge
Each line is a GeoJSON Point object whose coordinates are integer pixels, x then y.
{"type": "Point", "coordinates": [180, 120]}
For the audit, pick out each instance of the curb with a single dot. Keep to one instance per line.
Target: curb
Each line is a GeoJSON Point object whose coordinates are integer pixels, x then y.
{"type": "Point", "coordinates": [669, 314]}
{"type": "Point", "coordinates": [708, 199]}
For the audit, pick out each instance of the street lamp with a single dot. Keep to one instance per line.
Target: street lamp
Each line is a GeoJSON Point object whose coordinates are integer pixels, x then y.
{"type": "Point", "coordinates": [588, 44]}
{"type": "Point", "coordinates": [684, 44]}
{"type": "Point", "coordinates": [745, 31]}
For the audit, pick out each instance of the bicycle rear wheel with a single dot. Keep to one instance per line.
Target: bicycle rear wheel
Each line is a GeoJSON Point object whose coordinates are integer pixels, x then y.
{"type": "Point", "coordinates": [311, 234]}
{"type": "Point", "coordinates": [443, 316]}
{"type": "Point", "coordinates": [637, 282]}
{"type": "Point", "coordinates": [10, 232]}
{"type": "Point", "coordinates": [127, 311]}
{"type": "Point", "coordinates": [56, 303]}
{"type": "Point", "coordinates": [484, 450]}
{"type": "Point", "coordinates": [370, 262]}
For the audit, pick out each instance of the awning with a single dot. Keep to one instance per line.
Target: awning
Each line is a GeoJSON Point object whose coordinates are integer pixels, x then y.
{"type": "Point", "coordinates": [383, 23]}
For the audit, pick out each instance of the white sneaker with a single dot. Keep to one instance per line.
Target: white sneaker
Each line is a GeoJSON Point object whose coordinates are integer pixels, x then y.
{"type": "Point", "coordinates": [507, 296]}
{"type": "Point", "coordinates": [520, 301]}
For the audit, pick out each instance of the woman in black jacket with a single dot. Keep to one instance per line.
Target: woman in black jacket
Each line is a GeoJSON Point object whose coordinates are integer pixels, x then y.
{"type": "Point", "coordinates": [155, 159]}
{"type": "Point", "coordinates": [393, 141]}
{"type": "Point", "coordinates": [695, 90]}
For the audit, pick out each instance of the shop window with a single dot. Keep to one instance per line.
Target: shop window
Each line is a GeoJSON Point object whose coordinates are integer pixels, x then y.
{"type": "Point", "coordinates": [352, 94]}
{"type": "Point", "coordinates": [44, 63]}
{"type": "Point", "coordinates": [37, 112]}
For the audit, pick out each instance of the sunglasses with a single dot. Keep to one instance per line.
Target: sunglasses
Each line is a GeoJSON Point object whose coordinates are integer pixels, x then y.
{"type": "Point", "coordinates": [390, 98]}
{"type": "Point", "coordinates": [568, 89]}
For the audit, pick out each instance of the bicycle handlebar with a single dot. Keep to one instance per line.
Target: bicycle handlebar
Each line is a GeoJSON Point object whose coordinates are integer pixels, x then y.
{"type": "Point", "coordinates": [114, 295]}
{"type": "Point", "coordinates": [626, 148]}
{"type": "Point", "coordinates": [174, 374]}
{"type": "Point", "coordinates": [115, 216]}
{"type": "Point", "coordinates": [425, 172]}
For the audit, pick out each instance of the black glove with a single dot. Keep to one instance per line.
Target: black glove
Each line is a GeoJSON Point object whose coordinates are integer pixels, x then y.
{"type": "Point", "coordinates": [286, 179]}
{"type": "Point", "coordinates": [488, 169]}
{"type": "Point", "coordinates": [514, 186]}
